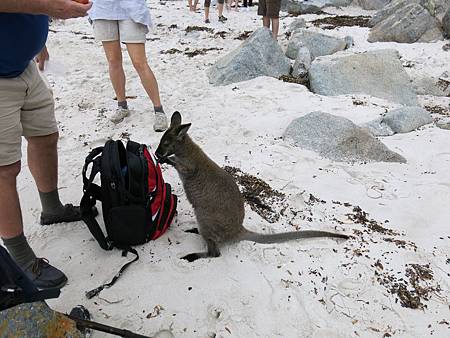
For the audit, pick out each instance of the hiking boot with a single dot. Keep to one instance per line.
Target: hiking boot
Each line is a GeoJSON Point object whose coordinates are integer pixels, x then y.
{"type": "Point", "coordinates": [160, 122]}
{"type": "Point", "coordinates": [70, 214]}
{"type": "Point", "coordinates": [222, 18]}
{"type": "Point", "coordinates": [119, 115]}
{"type": "Point", "coordinates": [207, 21]}
{"type": "Point", "coordinates": [43, 275]}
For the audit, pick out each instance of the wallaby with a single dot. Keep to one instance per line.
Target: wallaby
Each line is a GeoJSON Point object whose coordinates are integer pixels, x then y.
{"type": "Point", "coordinates": [214, 195]}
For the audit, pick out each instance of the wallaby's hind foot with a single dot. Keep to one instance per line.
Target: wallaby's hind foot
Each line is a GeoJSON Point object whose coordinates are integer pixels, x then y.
{"type": "Point", "coordinates": [194, 256]}
{"type": "Point", "coordinates": [213, 251]}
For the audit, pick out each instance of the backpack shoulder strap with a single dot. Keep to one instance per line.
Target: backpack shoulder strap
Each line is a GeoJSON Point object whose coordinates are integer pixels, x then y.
{"type": "Point", "coordinates": [91, 194]}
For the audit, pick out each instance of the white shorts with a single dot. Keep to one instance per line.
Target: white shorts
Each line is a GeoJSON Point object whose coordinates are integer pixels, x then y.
{"type": "Point", "coordinates": [126, 31]}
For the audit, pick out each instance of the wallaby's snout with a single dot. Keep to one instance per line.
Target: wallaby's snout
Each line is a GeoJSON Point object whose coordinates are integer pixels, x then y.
{"type": "Point", "coordinates": [162, 152]}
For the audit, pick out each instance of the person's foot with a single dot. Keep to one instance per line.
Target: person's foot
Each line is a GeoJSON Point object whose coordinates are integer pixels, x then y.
{"type": "Point", "coordinates": [160, 122]}
{"type": "Point", "coordinates": [222, 18]}
{"type": "Point", "coordinates": [69, 213]}
{"type": "Point", "coordinates": [207, 21]}
{"type": "Point", "coordinates": [43, 275]}
{"type": "Point", "coordinates": [119, 115]}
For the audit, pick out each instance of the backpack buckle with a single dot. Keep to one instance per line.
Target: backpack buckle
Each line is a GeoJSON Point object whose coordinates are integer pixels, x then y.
{"type": "Point", "coordinates": [109, 244]}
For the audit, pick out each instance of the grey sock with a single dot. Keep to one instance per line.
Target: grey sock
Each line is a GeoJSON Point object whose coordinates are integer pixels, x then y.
{"type": "Point", "coordinates": [158, 109]}
{"type": "Point", "coordinates": [51, 203]}
{"type": "Point", "coordinates": [123, 104]}
{"type": "Point", "coordinates": [20, 250]}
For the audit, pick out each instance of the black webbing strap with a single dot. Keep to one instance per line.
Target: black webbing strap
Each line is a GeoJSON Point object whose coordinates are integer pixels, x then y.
{"type": "Point", "coordinates": [92, 194]}
{"type": "Point", "coordinates": [96, 291]}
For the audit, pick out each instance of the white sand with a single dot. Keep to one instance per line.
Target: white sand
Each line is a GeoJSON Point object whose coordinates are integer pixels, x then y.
{"type": "Point", "coordinates": [314, 288]}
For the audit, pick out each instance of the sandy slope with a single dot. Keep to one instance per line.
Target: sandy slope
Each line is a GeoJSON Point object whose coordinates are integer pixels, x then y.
{"type": "Point", "coordinates": [315, 288]}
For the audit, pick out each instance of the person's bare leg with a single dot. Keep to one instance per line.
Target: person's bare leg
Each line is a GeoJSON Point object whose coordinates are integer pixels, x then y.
{"type": "Point", "coordinates": [10, 215]}
{"type": "Point", "coordinates": [206, 13]}
{"type": "Point", "coordinates": [266, 21]}
{"type": "Point", "coordinates": [148, 79]}
{"type": "Point", "coordinates": [275, 27]}
{"type": "Point", "coordinates": [11, 224]}
{"type": "Point", "coordinates": [113, 53]}
{"type": "Point", "coordinates": [220, 8]}
{"type": "Point", "coordinates": [39, 271]}
{"type": "Point", "coordinates": [43, 161]}
{"type": "Point", "coordinates": [192, 5]}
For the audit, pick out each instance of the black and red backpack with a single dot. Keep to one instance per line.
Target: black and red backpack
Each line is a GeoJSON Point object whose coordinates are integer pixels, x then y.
{"type": "Point", "coordinates": [138, 206]}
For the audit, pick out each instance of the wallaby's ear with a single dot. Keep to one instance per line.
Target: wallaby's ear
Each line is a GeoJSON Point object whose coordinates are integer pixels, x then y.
{"type": "Point", "coordinates": [182, 130]}
{"type": "Point", "coordinates": [175, 119]}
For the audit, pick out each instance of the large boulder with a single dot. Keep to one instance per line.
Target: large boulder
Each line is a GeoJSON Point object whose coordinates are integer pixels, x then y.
{"type": "Point", "coordinates": [400, 120]}
{"type": "Point", "coordinates": [298, 7]}
{"type": "Point", "coordinates": [377, 73]}
{"type": "Point", "coordinates": [371, 4]}
{"type": "Point", "coordinates": [446, 24]}
{"type": "Point", "coordinates": [437, 8]}
{"type": "Point", "coordinates": [338, 139]}
{"type": "Point", "coordinates": [259, 55]}
{"type": "Point", "coordinates": [406, 119]}
{"type": "Point", "coordinates": [426, 84]}
{"type": "Point", "coordinates": [296, 25]}
{"type": "Point", "coordinates": [391, 8]}
{"type": "Point", "coordinates": [317, 43]}
{"type": "Point", "coordinates": [408, 24]}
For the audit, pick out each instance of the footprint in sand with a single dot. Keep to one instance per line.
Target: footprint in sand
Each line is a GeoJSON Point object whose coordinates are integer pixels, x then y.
{"type": "Point", "coordinates": [350, 286]}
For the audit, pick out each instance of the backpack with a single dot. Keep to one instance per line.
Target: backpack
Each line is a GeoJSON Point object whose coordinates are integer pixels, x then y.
{"type": "Point", "coordinates": [138, 206]}
{"type": "Point", "coordinates": [15, 287]}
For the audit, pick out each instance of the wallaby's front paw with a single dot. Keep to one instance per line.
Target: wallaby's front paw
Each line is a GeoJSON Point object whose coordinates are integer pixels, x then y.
{"type": "Point", "coordinates": [191, 257]}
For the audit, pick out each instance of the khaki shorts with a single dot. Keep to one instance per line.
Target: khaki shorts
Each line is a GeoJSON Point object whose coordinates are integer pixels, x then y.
{"type": "Point", "coordinates": [126, 31]}
{"type": "Point", "coordinates": [26, 109]}
{"type": "Point", "coordinates": [269, 8]}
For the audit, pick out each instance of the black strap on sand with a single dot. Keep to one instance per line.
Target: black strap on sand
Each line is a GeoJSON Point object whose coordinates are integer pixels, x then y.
{"type": "Point", "coordinates": [96, 291]}
{"type": "Point", "coordinates": [92, 194]}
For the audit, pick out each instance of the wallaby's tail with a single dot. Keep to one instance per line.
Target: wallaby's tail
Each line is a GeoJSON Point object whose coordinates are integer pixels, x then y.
{"type": "Point", "coordinates": [286, 236]}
